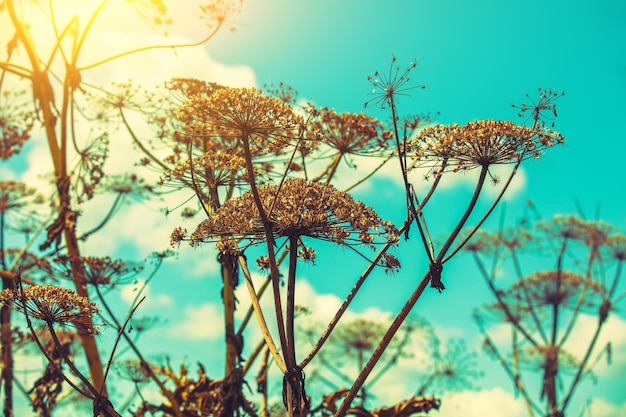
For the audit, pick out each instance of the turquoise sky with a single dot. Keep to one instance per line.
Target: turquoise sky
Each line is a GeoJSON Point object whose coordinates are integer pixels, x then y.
{"type": "Point", "coordinates": [475, 58]}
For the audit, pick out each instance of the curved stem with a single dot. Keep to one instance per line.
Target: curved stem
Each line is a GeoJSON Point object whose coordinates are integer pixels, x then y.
{"type": "Point", "coordinates": [69, 362]}
{"type": "Point", "coordinates": [144, 363]}
{"type": "Point", "coordinates": [395, 325]}
{"type": "Point", "coordinates": [408, 306]}
{"type": "Point", "coordinates": [260, 317]}
{"type": "Point", "coordinates": [346, 303]}
{"type": "Point", "coordinates": [152, 47]}
{"type": "Point", "coordinates": [141, 146]}
{"type": "Point", "coordinates": [252, 357]}
{"type": "Point", "coordinates": [602, 319]}
{"type": "Point", "coordinates": [501, 303]}
{"type": "Point", "coordinates": [372, 172]}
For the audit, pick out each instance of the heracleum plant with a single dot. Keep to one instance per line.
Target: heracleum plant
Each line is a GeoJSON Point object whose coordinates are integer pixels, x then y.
{"type": "Point", "coordinates": [262, 172]}
{"type": "Point", "coordinates": [298, 205]}
{"type": "Point", "coordinates": [46, 84]}
{"type": "Point", "coordinates": [542, 300]}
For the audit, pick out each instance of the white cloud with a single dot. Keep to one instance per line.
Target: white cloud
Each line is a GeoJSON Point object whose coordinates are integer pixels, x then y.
{"type": "Point", "coordinates": [152, 301]}
{"type": "Point", "coordinates": [347, 176]}
{"type": "Point", "coordinates": [492, 402]}
{"type": "Point", "coordinates": [602, 408]}
{"type": "Point", "coordinates": [613, 332]}
{"type": "Point", "coordinates": [202, 322]}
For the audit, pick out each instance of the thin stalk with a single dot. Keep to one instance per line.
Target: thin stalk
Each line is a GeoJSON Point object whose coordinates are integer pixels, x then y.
{"type": "Point", "coordinates": [262, 380]}
{"type": "Point", "coordinates": [333, 163]}
{"type": "Point", "coordinates": [357, 286]}
{"type": "Point", "coordinates": [533, 313]}
{"type": "Point", "coordinates": [511, 374]}
{"type": "Point", "coordinates": [365, 178]}
{"type": "Point", "coordinates": [250, 311]}
{"type": "Point", "coordinates": [603, 315]}
{"type": "Point", "coordinates": [141, 146]}
{"type": "Point", "coordinates": [393, 360]}
{"type": "Point", "coordinates": [291, 299]}
{"type": "Point", "coordinates": [252, 357]}
{"type": "Point", "coordinates": [119, 335]}
{"type": "Point", "coordinates": [5, 332]}
{"type": "Point", "coordinates": [519, 384]}
{"type": "Point", "coordinates": [42, 89]}
{"type": "Point", "coordinates": [152, 47]}
{"type": "Point", "coordinates": [408, 306]}
{"type": "Point", "coordinates": [503, 305]}
{"type": "Point", "coordinates": [346, 303]}
{"type": "Point", "coordinates": [332, 169]}
{"type": "Point", "coordinates": [420, 392]}
{"type": "Point", "coordinates": [395, 325]}
{"type": "Point", "coordinates": [233, 348]}
{"type": "Point", "coordinates": [489, 211]}
{"type": "Point", "coordinates": [260, 317]}
{"type": "Point", "coordinates": [269, 236]}
{"type": "Point", "coordinates": [144, 363]}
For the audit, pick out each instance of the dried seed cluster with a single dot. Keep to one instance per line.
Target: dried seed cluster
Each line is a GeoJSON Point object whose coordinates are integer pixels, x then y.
{"type": "Point", "coordinates": [50, 303]}
{"type": "Point", "coordinates": [479, 144]}
{"type": "Point", "coordinates": [298, 208]}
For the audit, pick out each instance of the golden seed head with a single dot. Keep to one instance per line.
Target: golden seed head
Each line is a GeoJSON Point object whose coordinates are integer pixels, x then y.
{"type": "Point", "coordinates": [299, 208]}
{"type": "Point", "coordinates": [236, 114]}
{"type": "Point", "coordinates": [49, 303]}
{"type": "Point", "coordinates": [479, 144]}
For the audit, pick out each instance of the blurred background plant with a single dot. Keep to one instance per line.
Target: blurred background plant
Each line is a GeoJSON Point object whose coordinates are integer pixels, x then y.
{"type": "Point", "coordinates": [548, 278]}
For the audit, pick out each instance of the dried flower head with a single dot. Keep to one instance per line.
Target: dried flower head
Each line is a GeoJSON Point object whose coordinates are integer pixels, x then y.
{"type": "Point", "coordinates": [153, 12]}
{"type": "Point", "coordinates": [89, 166]}
{"type": "Point", "coordinates": [210, 170]}
{"type": "Point", "coordinates": [298, 208]}
{"type": "Point", "coordinates": [552, 288]}
{"type": "Point", "coordinates": [542, 108]}
{"type": "Point", "coordinates": [183, 88]}
{"type": "Point", "coordinates": [15, 198]}
{"type": "Point", "coordinates": [481, 241]}
{"type": "Point", "coordinates": [455, 369]}
{"type": "Point", "coordinates": [283, 92]}
{"type": "Point", "coordinates": [548, 358]}
{"type": "Point", "coordinates": [387, 87]}
{"type": "Point", "coordinates": [351, 133]}
{"type": "Point", "coordinates": [49, 303]}
{"type": "Point", "coordinates": [133, 370]}
{"type": "Point", "coordinates": [30, 266]}
{"type": "Point", "coordinates": [103, 272]}
{"type": "Point", "coordinates": [242, 114]}
{"type": "Point", "coordinates": [128, 185]}
{"type": "Point", "coordinates": [480, 144]}
{"type": "Point", "coordinates": [390, 263]}
{"type": "Point", "coordinates": [16, 195]}
{"type": "Point", "coordinates": [16, 122]}
{"type": "Point", "coordinates": [217, 12]}
{"type": "Point", "coordinates": [616, 248]}
{"type": "Point", "coordinates": [564, 227]}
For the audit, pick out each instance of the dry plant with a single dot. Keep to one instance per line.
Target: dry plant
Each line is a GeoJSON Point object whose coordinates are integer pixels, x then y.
{"type": "Point", "coordinates": [285, 209]}
{"type": "Point", "coordinates": [45, 84]}
{"type": "Point", "coordinates": [564, 269]}
{"type": "Point", "coordinates": [262, 171]}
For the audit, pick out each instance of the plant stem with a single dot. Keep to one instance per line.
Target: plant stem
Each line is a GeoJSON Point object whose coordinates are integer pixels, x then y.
{"type": "Point", "coordinates": [408, 306]}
